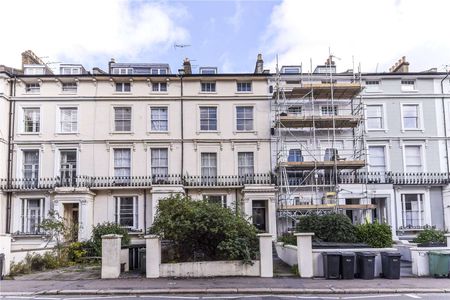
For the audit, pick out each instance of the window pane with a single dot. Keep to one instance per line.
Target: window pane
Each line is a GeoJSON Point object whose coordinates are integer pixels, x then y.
{"type": "Point", "coordinates": [122, 162]}
{"type": "Point", "coordinates": [208, 118]}
{"type": "Point", "coordinates": [245, 163]}
{"type": "Point", "coordinates": [159, 120]}
{"type": "Point", "coordinates": [159, 162]}
{"type": "Point", "coordinates": [122, 118]}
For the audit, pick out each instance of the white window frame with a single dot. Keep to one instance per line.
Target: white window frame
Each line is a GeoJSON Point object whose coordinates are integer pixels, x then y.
{"type": "Point", "coordinates": [22, 119]}
{"type": "Point", "coordinates": [113, 165]}
{"type": "Point", "coordinates": [151, 159]}
{"type": "Point", "coordinates": [210, 83]}
{"type": "Point", "coordinates": [246, 166]}
{"type": "Point", "coordinates": [57, 169]}
{"type": "Point", "coordinates": [335, 109]}
{"type": "Point", "coordinates": [150, 127]}
{"type": "Point", "coordinates": [122, 89]}
{"type": "Point", "coordinates": [158, 85]}
{"type": "Point", "coordinates": [383, 118]}
{"type": "Point", "coordinates": [32, 88]}
{"type": "Point", "coordinates": [419, 117]}
{"type": "Point", "coordinates": [245, 83]}
{"type": "Point", "coordinates": [217, 161]}
{"type": "Point", "coordinates": [117, 200]}
{"type": "Point", "coordinates": [59, 109]}
{"type": "Point", "coordinates": [422, 155]}
{"type": "Point", "coordinates": [113, 121]}
{"type": "Point", "coordinates": [236, 119]}
{"type": "Point", "coordinates": [20, 160]}
{"type": "Point", "coordinates": [371, 87]}
{"type": "Point", "coordinates": [159, 71]}
{"type": "Point", "coordinates": [200, 130]}
{"type": "Point", "coordinates": [122, 71]}
{"type": "Point", "coordinates": [25, 218]}
{"type": "Point", "coordinates": [223, 198]}
{"type": "Point", "coordinates": [71, 90]}
{"type": "Point", "coordinates": [420, 198]}
{"type": "Point", "coordinates": [386, 156]}
{"type": "Point", "coordinates": [405, 88]}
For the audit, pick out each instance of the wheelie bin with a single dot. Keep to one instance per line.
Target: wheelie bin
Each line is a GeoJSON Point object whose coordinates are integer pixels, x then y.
{"type": "Point", "coordinates": [390, 265]}
{"type": "Point", "coordinates": [365, 262]}
{"type": "Point", "coordinates": [331, 264]}
{"type": "Point", "coordinates": [439, 263]}
{"type": "Point", "coordinates": [347, 265]}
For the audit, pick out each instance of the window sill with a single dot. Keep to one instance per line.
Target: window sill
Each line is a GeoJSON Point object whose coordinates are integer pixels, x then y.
{"type": "Point", "coordinates": [159, 93]}
{"type": "Point", "coordinates": [245, 131]}
{"type": "Point", "coordinates": [158, 132]}
{"type": "Point", "coordinates": [122, 93]}
{"type": "Point", "coordinates": [67, 133]}
{"type": "Point", "coordinates": [208, 131]}
{"type": "Point", "coordinates": [409, 91]}
{"type": "Point", "coordinates": [413, 129]}
{"type": "Point", "coordinates": [377, 129]}
{"type": "Point", "coordinates": [122, 132]}
{"type": "Point", "coordinates": [373, 91]}
{"type": "Point", "coordinates": [207, 92]}
{"type": "Point", "coordinates": [29, 133]}
{"type": "Point", "coordinates": [68, 93]}
{"type": "Point", "coordinates": [250, 92]}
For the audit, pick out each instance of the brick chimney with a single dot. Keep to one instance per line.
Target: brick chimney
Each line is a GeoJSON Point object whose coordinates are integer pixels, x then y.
{"type": "Point", "coordinates": [259, 67]}
{"type": "Point", "coordinates": [29, 58]}
{"type": "Point", "coordinates": [187, 66]}
{"type": "Point", "coordinates": [401, 66]}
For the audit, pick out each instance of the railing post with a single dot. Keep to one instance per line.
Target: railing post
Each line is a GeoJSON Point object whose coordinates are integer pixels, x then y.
{"type": "Point", "coordinates": [304, 254]}
{"type": "Point", "coordinates": [266, 256]}
{"type": "Point", "coordinates": [152, 256]}
{"type": "Point", "coordinates": [111, 255]}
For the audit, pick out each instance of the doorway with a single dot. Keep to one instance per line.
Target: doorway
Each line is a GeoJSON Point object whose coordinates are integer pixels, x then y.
{"type": "Point", "coordinates": [259, 214]}
{"type": "Point", "coordinates": [71, 217]}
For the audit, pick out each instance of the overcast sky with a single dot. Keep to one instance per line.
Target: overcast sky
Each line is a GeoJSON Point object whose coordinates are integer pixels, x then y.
{"type": "Point", "coordinates": [229, 34]}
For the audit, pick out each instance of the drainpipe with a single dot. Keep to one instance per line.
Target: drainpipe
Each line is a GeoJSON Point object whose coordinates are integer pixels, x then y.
{"type": "Point", "coordinates": [145, 211]}
{"type": "Point", "coordinates": [182, 125]}
{"type": "Point", "coordinates": [11, 114]}
{"type": "Point", "coordinates": [445, 123]}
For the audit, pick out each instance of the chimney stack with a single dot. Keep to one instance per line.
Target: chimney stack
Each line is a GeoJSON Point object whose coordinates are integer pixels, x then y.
{"type": "Point", "coordinates": [112, 61]}
{"type": "Point", "coordinates": [187, 66]}
{"type": "Point", "coordinates": [402, 66]}
{"type": "Point", "coordinates": [259, 67]}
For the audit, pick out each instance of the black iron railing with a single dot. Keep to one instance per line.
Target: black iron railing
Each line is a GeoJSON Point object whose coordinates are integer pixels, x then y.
{"type": "Point", "coordinates": [100, 182]}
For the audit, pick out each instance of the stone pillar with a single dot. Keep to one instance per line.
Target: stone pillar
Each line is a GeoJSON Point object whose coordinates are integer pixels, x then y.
{"type": "Point", "coordinates": [5, 248]}
{"type": "Point", "coordinates": [446, 205]}
{"type": "Point", "coordinates": [266, 256]}
{"type": "Point", "coordinates": [111, 255]}
{"type": "Point", "coordinates": [152, 256]}
{"type": "Point", "coordinates": [447, 235]}
{"type": "Point", "coordinates": [304, 254]}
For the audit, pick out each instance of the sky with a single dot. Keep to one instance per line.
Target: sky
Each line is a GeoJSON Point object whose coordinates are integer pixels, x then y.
{"type": "Point", "coordinates": [370, 35]}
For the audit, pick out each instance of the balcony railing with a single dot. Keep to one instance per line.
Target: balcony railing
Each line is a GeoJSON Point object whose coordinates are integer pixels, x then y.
{"type": "Point", "coordinates": [136, 181]}
{"type": "Point", "coordinates": [306, 178]}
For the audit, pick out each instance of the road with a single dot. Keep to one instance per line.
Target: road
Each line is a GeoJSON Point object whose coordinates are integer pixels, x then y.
{"type": "Point", "coordinates": [246, 297]}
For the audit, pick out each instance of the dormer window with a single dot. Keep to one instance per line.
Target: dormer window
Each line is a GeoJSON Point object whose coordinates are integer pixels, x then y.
{"type": "Point", "coordinates": [207, 70]}
{"type": "Point", "coordinates": [32, 88]}
{"type": "Point", "coordinates": [158, 71]}
{"type": "Point", "coordinates": [122, 71]}
{"type": "Point", "coordinates": [70, 70]}
{"type": "Point", "coordinates": [123, 87]}
{"type": "Point", "coordinates": [34, 70]}
{"type": "Point", "coordinates": [291, 70]}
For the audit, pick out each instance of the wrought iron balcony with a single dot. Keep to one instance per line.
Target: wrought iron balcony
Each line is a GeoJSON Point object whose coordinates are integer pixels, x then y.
{"type": "Point", "coordinates": [90, 182]}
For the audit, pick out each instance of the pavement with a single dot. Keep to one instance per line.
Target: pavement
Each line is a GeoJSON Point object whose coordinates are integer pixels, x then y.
{"type": "Point", "coordinates": [221, 285]}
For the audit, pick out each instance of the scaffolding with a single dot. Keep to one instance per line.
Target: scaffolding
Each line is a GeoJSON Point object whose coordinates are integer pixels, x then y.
{"type": "Point", "coordinates": [318, 134]}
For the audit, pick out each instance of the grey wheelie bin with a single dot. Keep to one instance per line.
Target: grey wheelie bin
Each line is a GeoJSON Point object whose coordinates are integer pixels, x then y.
{"type": "Point", "coordinates": [331, 264]}
{"type": "Point", "coordinates": [347, 265]}
{"type": "Point", "coordinates": [365, 262]}
{"type": "Point", "coordinates": [390, 265]}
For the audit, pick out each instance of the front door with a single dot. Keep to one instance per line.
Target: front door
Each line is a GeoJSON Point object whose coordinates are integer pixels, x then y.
{"type": "Point", "coordinates": [259, 214]}
{"type": "Point", "coordinates": [71, 217]}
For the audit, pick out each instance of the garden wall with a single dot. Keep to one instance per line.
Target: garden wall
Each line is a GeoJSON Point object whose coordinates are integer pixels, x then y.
{"type": "Point", "coordinates": [210, 269]}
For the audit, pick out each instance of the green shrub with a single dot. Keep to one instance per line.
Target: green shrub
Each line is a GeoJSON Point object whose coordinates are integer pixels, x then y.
{"type": "Point", "coordinates": [37, 262]}
{"type": "Point", "coordinates": [51, 261]}
{"type": "Point", "coordinates": [430, 236]}
{"type": "Point", "coordinates": [107, 228]}
{"type": "Point", "coordinates": [200, 230]}
{"type": "Point", "coordinates": [375, 234]}
{"type": "Point", "coordinates": [288, 239]}
{"type": "Point", "coordinates": [76, 251]}
{"type": "Point", "coordinates": [328, 228]}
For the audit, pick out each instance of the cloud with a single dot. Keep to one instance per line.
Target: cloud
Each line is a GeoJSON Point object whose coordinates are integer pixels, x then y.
{"type": "Point", "coordinates": [85, 31]}
{"type": "Point", "coordinates": [236, 19]}
{"type": "Point", "coordinates": [376, 33]}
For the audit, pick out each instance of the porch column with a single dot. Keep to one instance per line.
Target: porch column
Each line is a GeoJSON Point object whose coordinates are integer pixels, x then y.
{"type": "Point", "coordinates": [304, 254]}
{"type": "Point", "coordinates": [111, 255]}
{"type": "Point", "coordinates": [266, 257]}
{"type": "Point", "coordinates": [446, 204]}
{"type": "Point", "coordinates": [447, 235]}
{"type": "Point", "coordinates": [152, 256]}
